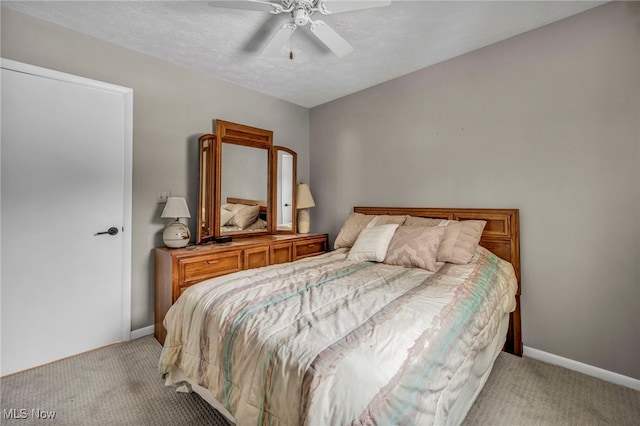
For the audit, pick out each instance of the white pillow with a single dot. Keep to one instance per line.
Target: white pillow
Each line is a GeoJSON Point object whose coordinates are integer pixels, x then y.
{"type": "Point", "coordinates": [225, 216]}
{"type": "Point", "coordinates": [372, 243]}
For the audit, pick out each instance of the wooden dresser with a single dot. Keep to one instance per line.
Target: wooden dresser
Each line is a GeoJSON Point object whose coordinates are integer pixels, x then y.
{"type": "Point", "coordinates": [177, 269]}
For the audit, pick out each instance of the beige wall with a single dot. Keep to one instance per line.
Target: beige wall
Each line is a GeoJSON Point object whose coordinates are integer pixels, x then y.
{"type": "Point", "coordinates": [172, 107]}
{"type": "Point", "coordinates": [547, 122]}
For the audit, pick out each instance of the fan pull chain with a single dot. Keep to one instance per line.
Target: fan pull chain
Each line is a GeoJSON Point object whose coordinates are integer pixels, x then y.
{"type": "Point", "coordinates": [291, 47]}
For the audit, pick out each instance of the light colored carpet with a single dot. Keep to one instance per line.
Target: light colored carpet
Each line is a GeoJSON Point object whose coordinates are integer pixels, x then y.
{"type": "Point", "coordinates": [523, 391]}
{"type": "Point", "coordinates": [120, 385]}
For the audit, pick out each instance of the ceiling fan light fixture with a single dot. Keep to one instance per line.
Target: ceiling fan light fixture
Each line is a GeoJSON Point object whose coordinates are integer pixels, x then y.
{"type": "Point", "coordinates": [301, 16]}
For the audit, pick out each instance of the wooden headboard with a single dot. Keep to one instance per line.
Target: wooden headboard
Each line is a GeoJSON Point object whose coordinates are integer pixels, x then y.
{"type": "Point", "coordinates": [501, 236]}
{"type": "Point", "coordinates": [262, 204]}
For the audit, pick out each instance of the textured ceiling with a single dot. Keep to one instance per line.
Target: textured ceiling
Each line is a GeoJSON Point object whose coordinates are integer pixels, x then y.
{"type": "Point", "coordinates": [388, 41]}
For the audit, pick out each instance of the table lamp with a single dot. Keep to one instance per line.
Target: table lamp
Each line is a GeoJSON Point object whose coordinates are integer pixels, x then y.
{"type": "Point", "coordinates": [176, 234]}
{"type": "Point", "coordinates": [304, 200]}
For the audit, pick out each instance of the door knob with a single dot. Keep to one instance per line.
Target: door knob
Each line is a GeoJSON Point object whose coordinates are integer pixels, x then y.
{"type": "Point", "coordinates": [111, 231]}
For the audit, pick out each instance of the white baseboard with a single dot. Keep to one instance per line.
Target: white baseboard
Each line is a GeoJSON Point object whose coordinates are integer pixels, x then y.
{"type": "Point", "coordinates": [580, 367]}
{"type": "Point", "coordinates": [141, 332]}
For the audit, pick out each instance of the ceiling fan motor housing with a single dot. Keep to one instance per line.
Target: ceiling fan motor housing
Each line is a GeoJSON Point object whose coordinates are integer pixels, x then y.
{"type": "Point", "coordinates": [301, 15]}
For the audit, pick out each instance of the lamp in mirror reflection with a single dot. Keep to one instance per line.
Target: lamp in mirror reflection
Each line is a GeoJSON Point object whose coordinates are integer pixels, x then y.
{"type": "Point", "coordinates": [304, 201]}
{"type": "Point", "coordinates": [176, 234]}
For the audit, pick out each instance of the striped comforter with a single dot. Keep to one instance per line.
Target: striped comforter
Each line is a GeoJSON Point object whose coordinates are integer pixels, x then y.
{"type": "Point", "coordinates": [326, 341]}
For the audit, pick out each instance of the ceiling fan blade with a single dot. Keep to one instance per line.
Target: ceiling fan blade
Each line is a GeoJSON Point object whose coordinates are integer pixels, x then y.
{"type": "Point", "coordinates": [279, 39]}
{"type": "Point", "coordinates": [332, 39]}
{"type": "Point", "coordinates": [259, 5]}
{"type": "Point", "coordinates": [339, 6]}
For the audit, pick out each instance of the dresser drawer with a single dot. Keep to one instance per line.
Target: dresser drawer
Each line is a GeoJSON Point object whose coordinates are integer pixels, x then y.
{"type": "Point", "coordinates": [280, 253]}
{"type": "Point", "coordinates": [256, 257]}
{"type": "Point", "coordinates": [311, 247]}
{"type": "Point", "coordinates": [200, 268]}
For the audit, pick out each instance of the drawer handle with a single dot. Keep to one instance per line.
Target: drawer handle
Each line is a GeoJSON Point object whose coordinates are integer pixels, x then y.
{"type": "Point", "coordinates": [212, 262]}
{"type": "Point", "coordinates": [310, 245]}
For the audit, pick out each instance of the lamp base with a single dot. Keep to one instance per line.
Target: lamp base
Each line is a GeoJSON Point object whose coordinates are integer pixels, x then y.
{"type": "Point", "coordinates": [304, 221]}
{"type": "Point", "coordinates": [176, 235]}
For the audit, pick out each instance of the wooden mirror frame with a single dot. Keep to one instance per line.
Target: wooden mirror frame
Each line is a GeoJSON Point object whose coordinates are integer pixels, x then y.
{"type": "Point", "coordinates": [204, 227]}
{"type": "Point", "coordinates": [274, 179]}
{"type": "Point", "coordinates": [208, 228]}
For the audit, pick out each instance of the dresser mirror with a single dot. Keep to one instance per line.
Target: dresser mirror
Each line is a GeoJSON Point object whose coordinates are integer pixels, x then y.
{"type": "Point", "coordinates": [247, 186]}
{"type": "Point", "coordinates": [244, 189]}
{"type": "Point", "coordinates": [205, 193]}
{"type": "Point", "coordinates": [285, 161]}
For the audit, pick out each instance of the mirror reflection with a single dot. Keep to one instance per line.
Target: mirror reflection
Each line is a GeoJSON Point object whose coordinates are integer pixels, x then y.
{"type": "Point", "coordinates": [285, 189]}
{"type": "Point", "coordinates": [244, 189]}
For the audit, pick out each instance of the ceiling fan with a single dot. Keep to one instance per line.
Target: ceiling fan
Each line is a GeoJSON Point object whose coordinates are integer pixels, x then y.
{"type": "Point", "coordinates": [301, 13]}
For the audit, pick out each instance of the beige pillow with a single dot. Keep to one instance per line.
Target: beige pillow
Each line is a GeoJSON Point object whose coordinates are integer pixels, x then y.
{"type": "Point", "coordinates": [225, 216]}
{"type": "Point", "coordinates": [356, 222]}
{"type": "Point", "coordinates": [460, 241]}
{"type": "Point", "coordinates": [415, 246]}
{"type": "Point", "coordinates": [234, 207]}
{"type": "Point", "coordinates": [372, 243]}
{"type": "Point", "coordinates": [258, 224]}
{"type": "Point", "coordinates": [245, 216]}
{"type": "Point", "coordinates": [422, 221]}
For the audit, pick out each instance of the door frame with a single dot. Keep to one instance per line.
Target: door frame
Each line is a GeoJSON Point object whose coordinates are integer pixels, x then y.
{"type": "Point", "coordinates": [127, 96]}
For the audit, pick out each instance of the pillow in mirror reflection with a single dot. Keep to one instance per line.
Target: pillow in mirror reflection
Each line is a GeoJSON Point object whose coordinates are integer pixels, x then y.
{"type": "Point", "coordinates": [225, 216]}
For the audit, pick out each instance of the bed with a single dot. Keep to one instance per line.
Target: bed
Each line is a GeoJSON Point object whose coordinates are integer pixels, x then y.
{"type": "Point", "coordinates": [240, 214]}
{"type": "Point", "coordinates": [334, 339]}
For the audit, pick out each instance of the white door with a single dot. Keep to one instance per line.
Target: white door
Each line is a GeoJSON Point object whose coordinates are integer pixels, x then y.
{"type": "Point", "coordinates": [66, 176]}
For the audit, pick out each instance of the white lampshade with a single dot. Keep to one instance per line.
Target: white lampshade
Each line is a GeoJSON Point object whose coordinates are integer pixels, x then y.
{"type": "Point", "coordinates": [304, 199]}
{"type": "Point", "coordinates": [176, 207]}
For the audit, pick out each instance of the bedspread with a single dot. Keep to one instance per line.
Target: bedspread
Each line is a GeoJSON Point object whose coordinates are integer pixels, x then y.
{"type": "Point", "coordinates": [327, 341]}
